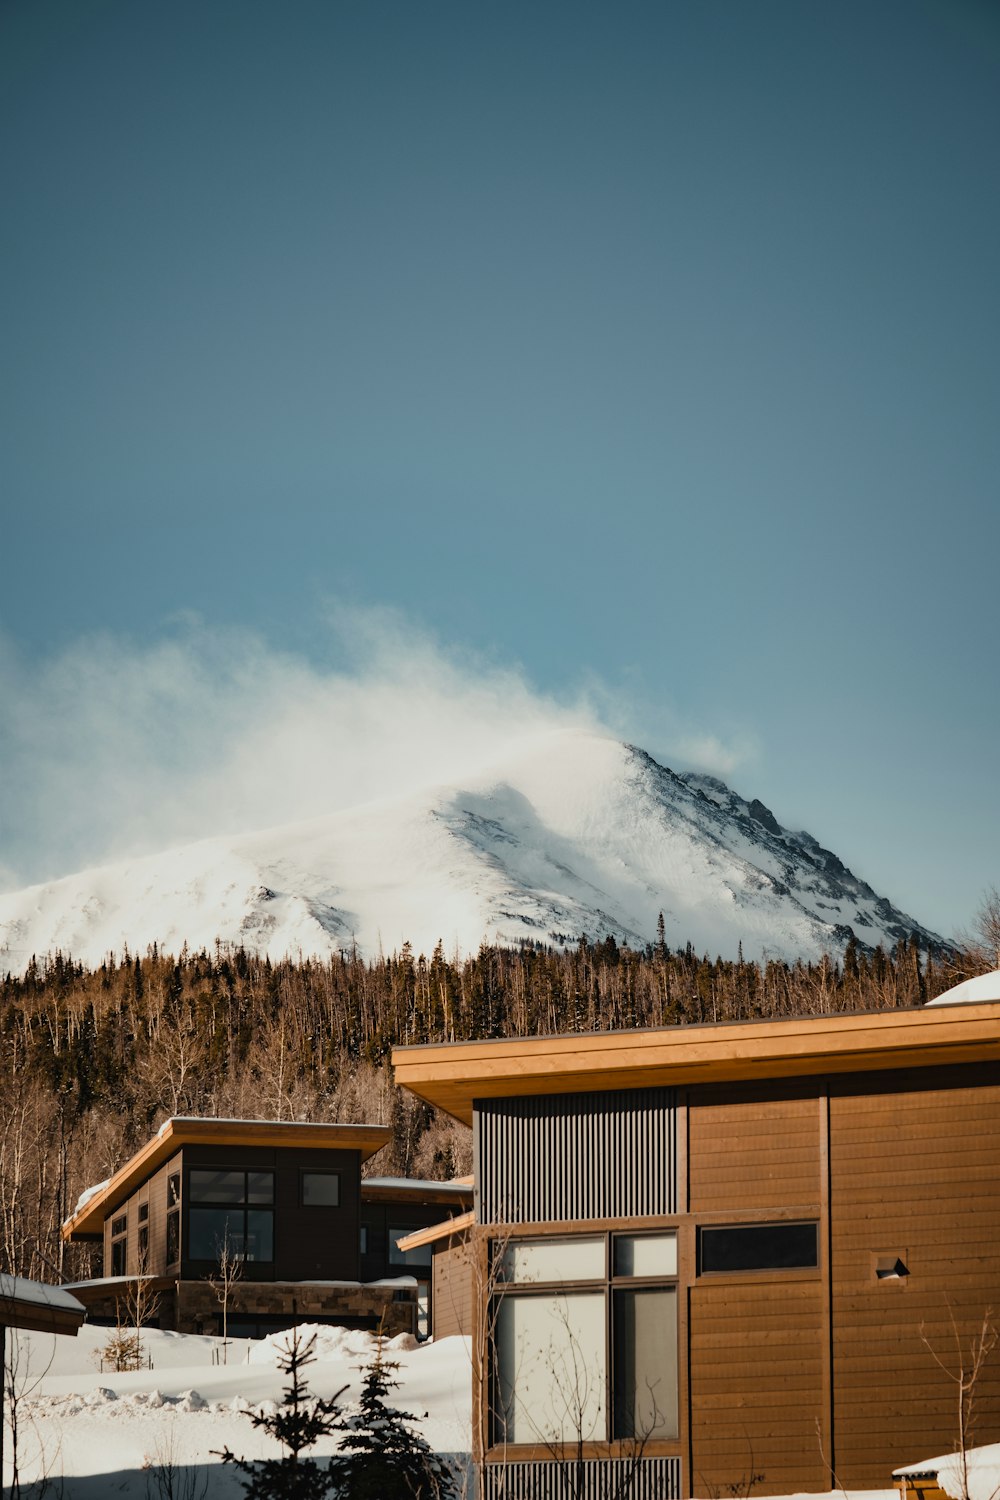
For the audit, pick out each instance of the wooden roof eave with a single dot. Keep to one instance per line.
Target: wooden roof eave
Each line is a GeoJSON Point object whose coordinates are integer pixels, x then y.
{"type": "Point", "coordinates": [452, 1076]}
{"type": "Point", "coordinates": [434, 1232]}
{"type": "Point", "coordinates": [87, 1223]}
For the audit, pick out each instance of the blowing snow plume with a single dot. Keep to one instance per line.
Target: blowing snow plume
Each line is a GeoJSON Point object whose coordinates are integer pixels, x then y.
{"type": "Point", "coordinates": [115, 748]}
{"type": "Point", "coordinates": [415, 798]}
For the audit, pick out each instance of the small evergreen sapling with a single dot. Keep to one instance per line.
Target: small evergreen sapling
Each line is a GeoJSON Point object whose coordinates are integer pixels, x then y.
{"type": "Point", "coordinates": [381, 1457]}
{"type": "Point", "coordinates": [300, 1421]}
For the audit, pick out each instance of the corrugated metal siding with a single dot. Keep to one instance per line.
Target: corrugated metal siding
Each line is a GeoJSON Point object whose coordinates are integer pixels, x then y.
{"type": "Point", "coordinates": [576, 1156]}
{"type": "Point", "coordinates": [591, 1479]}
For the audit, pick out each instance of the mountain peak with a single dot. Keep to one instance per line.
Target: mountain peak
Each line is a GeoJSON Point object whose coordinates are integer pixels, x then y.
{"type": "Point", "coordinates": [565, 834]}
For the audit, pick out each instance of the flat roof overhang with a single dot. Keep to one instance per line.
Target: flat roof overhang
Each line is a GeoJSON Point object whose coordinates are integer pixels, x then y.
{"type": "Point", "coordinates": [435, 1232]}
{"type": "Point", "coordinates": [451, 1076]}
{"type": "Point", "coordinates": [39, 1308]}
{"type": "Point", "coordinates": [88, 1221]}
{"type": "Point", "coordinates": [414, 1192]}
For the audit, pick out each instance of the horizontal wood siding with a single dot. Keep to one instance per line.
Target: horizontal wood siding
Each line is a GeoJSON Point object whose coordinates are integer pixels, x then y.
{"type": "Point", "coordinates": [753, 1148]}
{"type": "Point", "coordinates": [756, 1379]}
{"type": "Point", "coordinates": [915, 1172]}
{"type": "Point", "coordinates": [453, 1286]}
{"type": "Point", "coordinates": [577, 1156]}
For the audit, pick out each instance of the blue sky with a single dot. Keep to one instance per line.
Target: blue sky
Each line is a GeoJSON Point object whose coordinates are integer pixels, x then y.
{"type": "Point", "coordinates": [648, 352]}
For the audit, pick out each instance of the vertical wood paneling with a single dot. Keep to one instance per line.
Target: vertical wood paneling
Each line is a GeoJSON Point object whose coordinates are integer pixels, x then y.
{"type": "Point", "coordinates": [577, 1156]}
{"type": "Point", "coordinates": [588, 1479]}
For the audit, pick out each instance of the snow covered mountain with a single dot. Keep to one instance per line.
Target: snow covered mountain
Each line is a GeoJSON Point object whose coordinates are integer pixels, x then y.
{"type": "Point", "coordinates": [576, 833]}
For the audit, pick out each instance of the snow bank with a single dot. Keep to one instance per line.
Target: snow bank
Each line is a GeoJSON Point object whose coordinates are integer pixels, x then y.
{"type": "Point", "coordinates": [982, 1466]}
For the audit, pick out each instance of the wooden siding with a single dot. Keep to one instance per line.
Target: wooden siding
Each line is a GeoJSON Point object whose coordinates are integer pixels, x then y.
{"type": "Point", "coordinates": [639, 1479]}
{"type": "Point", "coordinates": [578, 1156]}
{"type": "Point", "coordinates": [754, 1149]}
{"type": "Point", "coordinates": [756, 1380]}
{"type": "Point", "coordinates": [915, 1173]}
{"type": "Point", "coordinates": [453, 1290]}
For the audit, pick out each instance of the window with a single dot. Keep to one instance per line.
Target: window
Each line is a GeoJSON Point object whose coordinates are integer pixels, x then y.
{"type": "Point", "coordinates": [173, 1189]}
{"type": "Point", "coordinates": [233, 1208]}
{"type": "Point", "coordinates": [320, 1189]}
{"type": "Point", "coordinates": [119, 1245]}
{"type": "Point", "coordinates": [422, 1256]}
{"type": "Point", "coordinates": [758, 1247]}
{"type": "Point", "coordinates": [173, 1238]}
{"type": "Point", "coordinates": [364, 1239]}
{"type": "Point", "coordinates": [585, 1333]}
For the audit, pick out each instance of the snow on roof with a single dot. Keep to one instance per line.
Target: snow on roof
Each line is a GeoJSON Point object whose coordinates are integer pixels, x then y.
{"type": "Point", "coordinates": [419, 1184]}
{"type": "Point", "coordinates": [982, 1465]}
{"type": "Point", "coordinates": [38, 1294]}
{"type": "Point", "coordinates": [982, 987]}
{"type": "Point", "coordinates": [89, 1193]}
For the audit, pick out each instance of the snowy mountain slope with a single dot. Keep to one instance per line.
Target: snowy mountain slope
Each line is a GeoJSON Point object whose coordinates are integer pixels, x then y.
{"type": "Point", "coordinates": [575, 833]}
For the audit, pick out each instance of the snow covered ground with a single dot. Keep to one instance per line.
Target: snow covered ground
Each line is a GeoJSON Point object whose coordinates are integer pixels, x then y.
{"type": "Point", "coordinates": [100, 1433]}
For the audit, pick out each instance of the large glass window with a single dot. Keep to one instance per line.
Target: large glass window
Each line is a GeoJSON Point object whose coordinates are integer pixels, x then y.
{"type": "Point", "coordinates": [585, 1339]}
{"type": "Point", "coordinates": [232, 1210]}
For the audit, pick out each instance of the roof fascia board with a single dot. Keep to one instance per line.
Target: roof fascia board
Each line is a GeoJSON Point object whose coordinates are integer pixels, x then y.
{"type": "Point", "coordinates": [174, 1134]}
{"type": "Point", "coordinates": [451, 1076]}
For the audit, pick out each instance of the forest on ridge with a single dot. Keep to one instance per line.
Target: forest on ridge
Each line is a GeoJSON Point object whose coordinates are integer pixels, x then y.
{"type": "Point", "coordinates": [92, 1061]}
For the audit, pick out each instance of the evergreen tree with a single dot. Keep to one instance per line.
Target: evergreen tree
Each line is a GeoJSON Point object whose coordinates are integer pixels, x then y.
{"type": "Point", "coordinates": [300, 1421]}
{"type": "Point", "coordinates": [381, 1457]}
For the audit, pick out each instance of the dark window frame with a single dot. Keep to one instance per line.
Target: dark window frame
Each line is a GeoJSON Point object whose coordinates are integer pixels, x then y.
{"type": "Point", "coordinates": [609, 1284]}
{"type": "Point", "coordinates": [242, 1209]}
{"type": "Point", "coordinates": [305, 1172]}
{"type": "Point", "coordinates": [173, 1237]}
{"type": "Point", "coordinates": [757, 1226]}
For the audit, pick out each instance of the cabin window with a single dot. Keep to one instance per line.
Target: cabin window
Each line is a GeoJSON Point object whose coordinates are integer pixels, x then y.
{"type": "Point", "coordinates": [321, 1189]}
{"type": "Point", "coordinates": [421, 1256]}
{"type": "Point", "coordinates": [585, 1339]}
{"type": "Point", "coordinates": [173, 1238]}
{"type": "Point", "coordinates": [119, 1245]}
{"type": "Point", "coordinates": [758, 1247]}
{"type": "Point", "coordinates": [230, 1210]}
{"type": "Point", "coordinates": [173, 1189]}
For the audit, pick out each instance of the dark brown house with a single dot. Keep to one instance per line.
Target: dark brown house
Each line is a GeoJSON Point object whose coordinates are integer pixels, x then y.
{"type": "Point", "coordinates": [722, 1259]}
{"type": "Point", "coordinates": [283, 1199]}
{"type": "Point", "coordinates": [394, 1212]}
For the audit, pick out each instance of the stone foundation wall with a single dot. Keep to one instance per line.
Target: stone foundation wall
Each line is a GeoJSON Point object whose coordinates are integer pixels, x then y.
{"type": "Point", "coordinates": [199, 1311]}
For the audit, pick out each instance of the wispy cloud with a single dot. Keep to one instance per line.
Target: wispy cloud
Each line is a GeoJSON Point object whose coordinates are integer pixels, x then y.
{"type": "Point", "coordinates": [114, 747]}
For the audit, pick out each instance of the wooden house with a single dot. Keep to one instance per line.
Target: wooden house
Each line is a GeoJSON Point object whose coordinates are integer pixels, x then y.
{"type": "Point", "coordinates": [396, 1214]}
{"type": "Point", "coordinates": [722, 1259]}
{"type": "Point", "coordinates": [285, 1201]}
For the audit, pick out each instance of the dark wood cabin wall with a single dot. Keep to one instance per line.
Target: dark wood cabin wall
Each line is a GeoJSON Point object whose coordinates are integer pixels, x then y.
{"type": "Point", "coordinates": [756, 1373]}
{"type": "Point", "coordinates": [754, 1147]}
{"type": "Point", "coordinates": [453, 1287]}
{"type": "Point", "coordinates": [915, 1171]}
{"type": "Point", "coordinates": [309, 1243]}
{"type": "Point", "coordinates": [378, 1219]}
